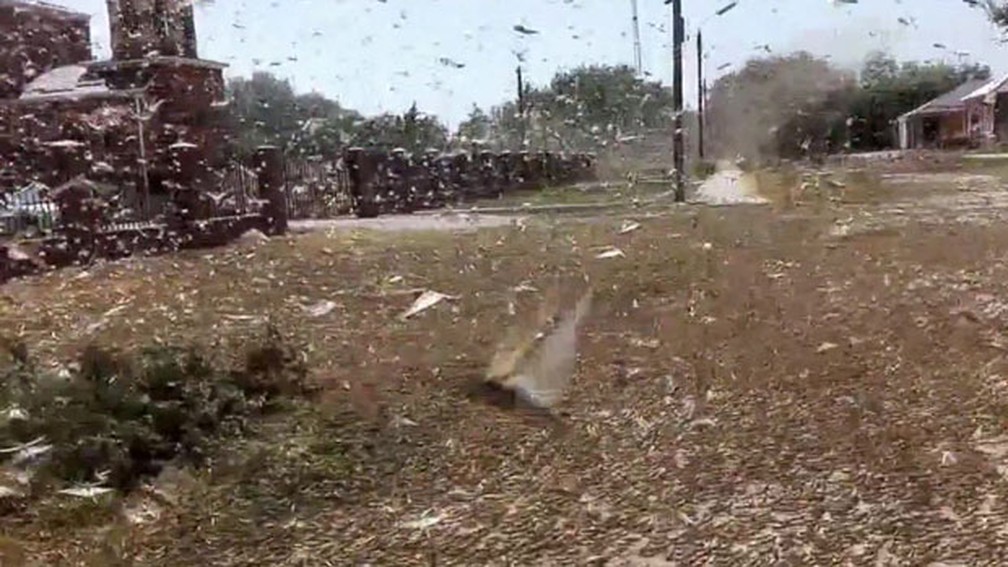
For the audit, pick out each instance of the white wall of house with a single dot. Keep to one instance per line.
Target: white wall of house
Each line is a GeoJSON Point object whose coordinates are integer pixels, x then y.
{"type": "Point", "coordinates": [903, 132]}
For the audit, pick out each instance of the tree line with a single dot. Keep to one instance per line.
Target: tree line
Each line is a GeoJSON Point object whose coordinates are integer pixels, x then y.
{"type": "Point", "coordinates": [789, 106]}
{"type": "Point", "coordinates": [782, 106]}
{"type": "Point", "coordinates": [798, 105]}
{"type": "Point", "coordinates": [580, 109]}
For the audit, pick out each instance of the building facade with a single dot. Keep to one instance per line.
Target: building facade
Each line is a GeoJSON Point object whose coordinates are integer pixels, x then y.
{"type": "Point", "coordinates": [37, 37]}
{"type": "Point", "coordinates": [974, 114]}
{"type": "Point", "coordinates": [147, 28]}
{"type": "Point", "coordinates": [148, 119]}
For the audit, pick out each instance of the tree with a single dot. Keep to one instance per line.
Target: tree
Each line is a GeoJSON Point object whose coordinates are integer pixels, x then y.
{"type": "Point", "coordinates": [800, 106]}
{"type": "Point", "coordinates": [584, 108]}
{"type": "Point", "coordinates": [889, 89]}
{"type": "Point", "coordinates": [997, 10]}
{"type": "Point", "coordinates": [266, 110]}
{"type": "Point", "coordinates": [610, 98]}
{"type": "Point", "coordinates": [263, 111]}
{"type": "Point", "coordinates": [413, 130]}
{"type": "Point", "coordinates": [476, 126]}
{"type": "Point", "coordinates": [773, 107]}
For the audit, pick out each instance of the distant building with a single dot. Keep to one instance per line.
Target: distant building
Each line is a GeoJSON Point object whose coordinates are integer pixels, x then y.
{"type": "Point", "coordinates": [37, 37]}
{"type": "Point", "coordinates": [149, 118]}
{"type": "Point", "coordinates": [974, 114]}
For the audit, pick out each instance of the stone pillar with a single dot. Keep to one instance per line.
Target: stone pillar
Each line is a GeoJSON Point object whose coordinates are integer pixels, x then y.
{"type": "Point", "coordinates": [269, 167]}
{"type": "Point", "coordinates": [362, 169]}
{"type": "Point", "coordinates": [184, 161]}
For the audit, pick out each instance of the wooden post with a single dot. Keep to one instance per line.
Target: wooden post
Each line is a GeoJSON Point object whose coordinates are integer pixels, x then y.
{"type": "Point", "coordinates": [362, 170]}
{"type": "Point", "coordinates": [678, 35]}
{"type": "Point", "coordinates": [700, 94]}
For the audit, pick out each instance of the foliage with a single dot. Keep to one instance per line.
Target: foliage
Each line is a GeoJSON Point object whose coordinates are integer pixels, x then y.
{"type": "Point", "coordinates": [476, 127]}
{"type": "Point", "coordinates": [889, 89]}
{"type": "Point", "coordinates": [801, 106]}
{"type": "Point", "coordinates": [581, 109]}
{"type": "Point", "coordinates": [997, 10]}
{"type": "Point", "coordinates": [266, 110]}
{"type": "Point", "coordinates": [413, 130]}
{"type": "Point", "coordinates": [127, 415]}
{"type": "Point", "coordinates": [610, 99]}
{"type": "Point", "coordinates": [770, 107]}
{"type": "Point", "coordinates": [783, 106]}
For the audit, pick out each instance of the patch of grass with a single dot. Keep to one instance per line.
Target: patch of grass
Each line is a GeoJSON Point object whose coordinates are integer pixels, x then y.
{"type": "Point", "coordinates": [119, 417]}
{"type": "Point", "coordinates": [788, 186]}
{"type": "Point", "coordinates": [995, 167]}
{"type": "Point", "coordinates": [777, 185]}
{"type": "Point", "coordinates": [702, 169]}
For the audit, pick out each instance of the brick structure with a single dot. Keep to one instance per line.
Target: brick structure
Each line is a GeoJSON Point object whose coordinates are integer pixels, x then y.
{"type": "Point", "coordinates": [119, 120]}
{"type": "Point", "coordinates": [37, 37]}
{"type": "Point", "coordinates": [143, 28]}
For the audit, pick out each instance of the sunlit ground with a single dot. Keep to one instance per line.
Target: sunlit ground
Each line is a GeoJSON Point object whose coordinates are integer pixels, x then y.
{"type": "Point", "coordinates": [824, 382]}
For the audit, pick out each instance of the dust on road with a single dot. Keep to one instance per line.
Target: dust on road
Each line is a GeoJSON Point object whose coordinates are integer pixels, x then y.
{"type": "Point", "coordinates": [729, 185]}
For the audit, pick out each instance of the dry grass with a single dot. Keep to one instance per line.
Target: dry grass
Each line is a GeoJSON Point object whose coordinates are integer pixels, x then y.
{"type": "Point", "coordinates": [788, 187]}
{"type": "Point", "coordinates": [781, 394]}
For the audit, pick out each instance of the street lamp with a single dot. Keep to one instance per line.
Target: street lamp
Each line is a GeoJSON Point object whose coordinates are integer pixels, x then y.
{"type": "Point", "coordinates": [638, 59]}
{"type": "Point", "coordinates": [701, 84]}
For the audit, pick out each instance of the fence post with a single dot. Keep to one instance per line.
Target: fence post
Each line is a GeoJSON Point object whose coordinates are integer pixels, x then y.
{"type": "Point", "coordinates": [184, 164]}
{"type": "Point", "coordinates": [269, 167]}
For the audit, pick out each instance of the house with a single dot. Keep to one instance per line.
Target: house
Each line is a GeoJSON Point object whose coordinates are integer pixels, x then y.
{"type": "Point", "coordinates": [974, 114]}
{"type": "Point", "coordinates": [130, 120]}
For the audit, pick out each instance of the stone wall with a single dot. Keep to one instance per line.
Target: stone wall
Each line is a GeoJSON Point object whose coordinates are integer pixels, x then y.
{"type": "Point", "coordinates": [180, 104]}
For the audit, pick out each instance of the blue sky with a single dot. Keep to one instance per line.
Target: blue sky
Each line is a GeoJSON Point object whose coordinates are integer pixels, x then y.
{"type": "Point", "coordinates": [381, 55]}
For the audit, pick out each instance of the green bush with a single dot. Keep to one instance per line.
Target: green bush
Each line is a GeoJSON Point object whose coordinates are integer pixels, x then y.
{"type": "Point", "coordinates": [703, 169]}
{"type": "Point", "coordinates": [124, 415]}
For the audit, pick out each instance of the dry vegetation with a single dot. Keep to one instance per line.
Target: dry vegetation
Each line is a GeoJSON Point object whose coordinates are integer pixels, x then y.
{"type": "Point", "coordinates": [754, 387]}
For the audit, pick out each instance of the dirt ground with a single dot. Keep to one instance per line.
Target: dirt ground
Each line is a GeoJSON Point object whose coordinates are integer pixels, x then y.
{"type": "Point", "coordinates": [820, 380]}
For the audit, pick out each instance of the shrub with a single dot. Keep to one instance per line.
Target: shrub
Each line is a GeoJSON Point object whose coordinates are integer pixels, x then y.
{"type": "Point", "coordinates": [122, 416]}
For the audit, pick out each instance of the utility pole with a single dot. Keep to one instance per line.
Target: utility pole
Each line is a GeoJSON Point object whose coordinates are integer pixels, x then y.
{"type": "Point", "coordinates": [703, 93]}
{"type": "Point", "coordinates": [521, 106]}
{"type": "Point", "coordinates": [700, 93]}
{"type": "Point", "coordinates": [678, 36]}
{"type": "Point", "coordinates": [638, 59]}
